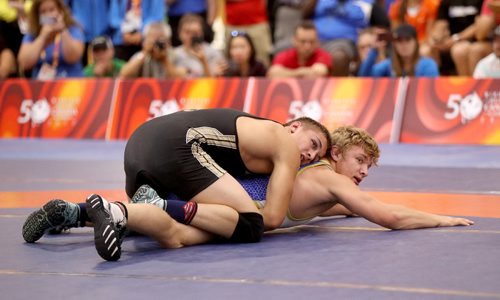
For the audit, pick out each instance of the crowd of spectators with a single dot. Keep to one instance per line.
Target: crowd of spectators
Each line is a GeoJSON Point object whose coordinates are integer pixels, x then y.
{"type": "Point", "coordinates": [48, 39]}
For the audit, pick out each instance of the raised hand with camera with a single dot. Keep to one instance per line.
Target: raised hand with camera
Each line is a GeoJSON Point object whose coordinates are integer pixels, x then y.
{"type": "Point", "coordinates": [54, 44]}
{"type": "Point", "coordinates": [153, 60]}
{"type": "Point", "coordinates": [199, 58]}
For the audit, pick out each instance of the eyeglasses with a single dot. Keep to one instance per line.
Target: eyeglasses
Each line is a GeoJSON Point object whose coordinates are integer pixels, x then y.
{"type": "Point", "coordinates": [236, 33]}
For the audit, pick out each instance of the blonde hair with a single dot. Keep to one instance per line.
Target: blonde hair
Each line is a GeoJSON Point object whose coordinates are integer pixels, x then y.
{"type": "Point", "coordinates": [344, 137]}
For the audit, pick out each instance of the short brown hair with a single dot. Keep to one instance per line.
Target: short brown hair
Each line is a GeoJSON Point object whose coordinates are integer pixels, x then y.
{"type": "Point", "coordinates": [345, 137]}
{"type": "Point", "coordinates": [313, 124]}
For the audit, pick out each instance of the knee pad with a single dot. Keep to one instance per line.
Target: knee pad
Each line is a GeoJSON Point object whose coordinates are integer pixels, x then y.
{"type": "Point", "coordinates": [249, 229]}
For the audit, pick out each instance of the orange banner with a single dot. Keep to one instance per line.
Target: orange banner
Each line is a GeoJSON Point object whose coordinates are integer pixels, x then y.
{"type": "Point", "coordinates": [142, 99]}
{"type": "Point", "coordinates": [55, 109]}
{"type": "Point", "coordinates": [452, 110]}
{"type": "Point", "coordinates": [363, 102]}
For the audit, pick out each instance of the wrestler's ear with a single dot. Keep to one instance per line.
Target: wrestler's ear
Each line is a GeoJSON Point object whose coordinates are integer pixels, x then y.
{"type": "Point", "coordinates": [294, 126]}
{"type": "Point", "coordinates": [335, 153]}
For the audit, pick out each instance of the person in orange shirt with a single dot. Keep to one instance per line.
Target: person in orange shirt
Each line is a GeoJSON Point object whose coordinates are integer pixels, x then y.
{"type": "Point", "coordinates": [418, 13]}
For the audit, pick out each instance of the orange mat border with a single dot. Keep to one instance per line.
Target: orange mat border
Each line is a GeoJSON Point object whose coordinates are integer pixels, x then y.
{"type": "Point", "coordinates": [449, 204]}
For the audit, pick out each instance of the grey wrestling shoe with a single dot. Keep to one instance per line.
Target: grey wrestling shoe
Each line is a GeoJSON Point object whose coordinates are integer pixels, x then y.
{"type": "Point", "coordinates": [146, 194]}
{"type": "Point", "coordinates": [54, 216]}
{"type": "Point", "coordinates": [107, 234]}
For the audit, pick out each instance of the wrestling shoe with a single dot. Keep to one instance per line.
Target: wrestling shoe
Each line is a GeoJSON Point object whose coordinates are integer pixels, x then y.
{"type": "Point", "coordinates": [146, 194]}
{"type": "Point", "coordinates": [55, 216]}
{"type": "Point", "coordinates": [108, 234]}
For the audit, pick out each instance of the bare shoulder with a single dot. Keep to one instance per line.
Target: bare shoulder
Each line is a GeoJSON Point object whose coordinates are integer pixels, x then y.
{"type": "Point", "coordinates": [263, 133]}
{"type": "Point", "coordinates": [324, 178]}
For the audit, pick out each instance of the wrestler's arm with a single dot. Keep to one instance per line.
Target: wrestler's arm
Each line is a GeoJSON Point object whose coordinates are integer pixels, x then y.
{"type": "Point", "coordinates": [337, 210]}
{"type": "Point", "coordinates": [386, 215]}
{"type": "Point", "coordinates": [285, 159]}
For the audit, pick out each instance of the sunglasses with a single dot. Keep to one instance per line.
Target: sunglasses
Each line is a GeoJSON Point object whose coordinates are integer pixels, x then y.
{"type": "Point", "coordinates": [236, 33]}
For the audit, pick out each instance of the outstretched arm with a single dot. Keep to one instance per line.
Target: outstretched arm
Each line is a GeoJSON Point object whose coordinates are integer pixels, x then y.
{"type": "Point", "coordinates": [387, 215]}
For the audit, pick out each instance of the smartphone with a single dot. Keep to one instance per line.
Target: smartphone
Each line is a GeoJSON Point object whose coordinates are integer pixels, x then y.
{"type": "Point", "coordinates": [47, 20]}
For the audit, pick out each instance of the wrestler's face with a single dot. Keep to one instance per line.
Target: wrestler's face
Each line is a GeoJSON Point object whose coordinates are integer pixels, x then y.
{"type": "Point", "coordinates": [353, 163]}
{"type": "Point", "coordinates": [312, 143]}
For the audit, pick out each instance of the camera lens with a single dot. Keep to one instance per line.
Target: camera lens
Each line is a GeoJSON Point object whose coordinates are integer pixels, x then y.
{"type": "Point", "coordinates": [160, 44]}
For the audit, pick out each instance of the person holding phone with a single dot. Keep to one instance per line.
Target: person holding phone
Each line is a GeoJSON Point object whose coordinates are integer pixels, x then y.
{"type": "Point", "coordinates": [197, 57]}
{"type": "Point", "coordinates": [54, 45]}
{"type": "Point", "coordinates": [154, 59]}
{"type": "Point", "coordinates": [405, 59]}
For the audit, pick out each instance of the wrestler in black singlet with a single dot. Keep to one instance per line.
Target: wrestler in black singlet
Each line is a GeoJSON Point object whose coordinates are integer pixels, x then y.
{"type": "Point", "coordinates": [184, 152]}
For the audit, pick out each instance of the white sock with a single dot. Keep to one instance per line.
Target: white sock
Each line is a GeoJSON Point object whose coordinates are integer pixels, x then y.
{"type": "Point", "coordinates": [116, 213]}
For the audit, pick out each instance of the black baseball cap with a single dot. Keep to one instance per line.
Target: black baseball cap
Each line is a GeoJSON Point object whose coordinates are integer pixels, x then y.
{"type": "Point", "coordinates": [405, 31]}
{"type": "Point", "coordinates": [101, 43]}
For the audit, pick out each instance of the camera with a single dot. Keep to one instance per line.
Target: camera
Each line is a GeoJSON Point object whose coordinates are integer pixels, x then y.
{"type": "Point", "coordinates": [161, 44]}
{"type": "Point", "coordinates": [196, 40]}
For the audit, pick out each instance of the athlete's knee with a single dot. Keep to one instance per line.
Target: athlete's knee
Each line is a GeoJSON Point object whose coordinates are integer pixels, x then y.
{"type": "Point", "coordinates": [249, 229]}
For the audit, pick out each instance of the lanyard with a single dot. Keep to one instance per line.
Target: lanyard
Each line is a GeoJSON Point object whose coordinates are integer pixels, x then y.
{"type": "Point", "coordinates": [55, 57]}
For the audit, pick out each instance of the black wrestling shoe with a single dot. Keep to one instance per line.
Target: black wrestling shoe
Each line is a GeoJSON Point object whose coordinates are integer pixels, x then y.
{"type": "Point", "coordinates": [55, 216]}
{"type": "Point", "coordinates": [107, 234]}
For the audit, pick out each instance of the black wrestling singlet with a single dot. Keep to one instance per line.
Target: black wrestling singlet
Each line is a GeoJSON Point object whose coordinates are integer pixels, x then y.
{"type": "Point", "coordinates": [184, 152]}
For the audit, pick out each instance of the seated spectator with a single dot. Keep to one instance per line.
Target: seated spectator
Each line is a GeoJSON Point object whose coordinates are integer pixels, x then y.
{"type": "Point", "coordinates": [103, 63]}
{"type": "Point", "coordinates": [405, 58]}
{"type": "Point", "coordinates": [306, 59]}
{"type": "Point", "coordinates": [451, 36]}
{"type": "Point", "coordinates": [154, 58]}
{"type": "Point", "coordinates": [206, 9]}
{"type": "Point", "coordinates": [54, 44]}
{"type": "Point", "coordinates": [7, 61]}
{"type": "Point", "coordinates": [490, 65]}
{"type": "Point", "coordinates": [421, 14]}
{"type": "Point", "coordinates": [241, 57]}
{"type": "Point", "coordinates": [196, 56]}
{"type": "Point", "coordinates": [251, 17]}
{"type": "Point", "coordinates": [338, 23]}
{"type": "Point", "coordinates": [367, 39]}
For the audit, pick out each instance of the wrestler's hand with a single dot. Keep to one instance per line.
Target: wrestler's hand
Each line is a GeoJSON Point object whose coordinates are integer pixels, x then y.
{"type": "Point", "coordinates": [452, 221]}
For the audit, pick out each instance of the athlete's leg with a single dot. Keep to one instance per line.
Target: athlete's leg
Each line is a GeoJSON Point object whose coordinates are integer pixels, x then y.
{"type": "Point", "coordinates": [154, 222]}
{"type": "Point", "coordinates": [228, 211]}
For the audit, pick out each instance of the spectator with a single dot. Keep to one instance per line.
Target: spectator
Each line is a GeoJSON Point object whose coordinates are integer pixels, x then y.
{"type": "Point", "coordinates": [103, 63]}
{"type": "Point", "coordinates": [306, 59]}
{"type": "Point", "coordinates": [54, 44]}
{"type": "Point", "coordinates": [338, 23]}
{"type": "Point", "coordinates": [93, 16]}
{"type": "Point", "coordinates": [241, 57]}
{"type": "Point", "coordinates": [251, 17]}
{"type": "Point", "coordinates": [367, 39]}
{"type": "Point", "coordinates": [206, 9]}
{"type": "Point", "coordinates": [154, 58]}
{"type": "Point", "coordinates": [288, 14]}
{"type": "Point", "coordinates": [490, 65]}
{"type": "Point", "coordinates": [127, 19]}
{"type": "Point", "coordinates": [405, 59]}
{"type": "Point", "coordinates": [7, 60]}
{"type": "Point", "coordinates": [452, 33]}
{"type": "Point", "coordinates": [13, 23]}
{"type": "Point", "coordinates": [197, 57]}
{"type": "Point", "coordinates": [421, 14]}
